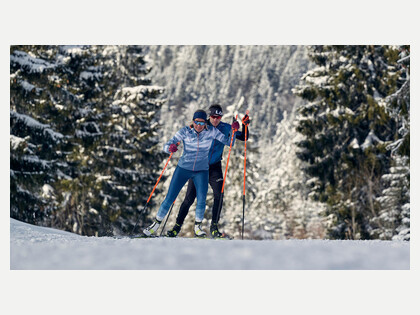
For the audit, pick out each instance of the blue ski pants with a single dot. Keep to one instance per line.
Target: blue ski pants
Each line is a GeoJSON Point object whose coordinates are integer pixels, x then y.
{"type": "Point", "coordinates": [180, 177]}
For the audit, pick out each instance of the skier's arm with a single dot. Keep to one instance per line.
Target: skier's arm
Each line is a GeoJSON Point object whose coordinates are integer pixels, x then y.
{"type": "Point", "coordinates": [240, 135]}
{"type": "Point", "coordinates": [225, 138]}
{"type": "Point", "coordinates": [179, 136]}
{"type": "Point", "coordinates": [221, 137]}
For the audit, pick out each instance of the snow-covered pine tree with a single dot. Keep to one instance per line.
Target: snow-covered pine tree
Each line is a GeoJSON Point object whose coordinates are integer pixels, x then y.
{"type": "Point", "coordinates": [31, 168]}
{"type": "Point", "coordinates": [126, 160]}
{"type": "Point", "coordinates": [203, 75]}
{"type": "Point", "coordinates": [284, 199]}
{"type": "Point", "coordinates": [69, 91]}
{"type": "Point", "coordinates": [34, 140]}
{"type": "Point", "coordinates": [64, 91]}
{"type": "Point", "coordinates": [84, 77]}
{"type": "Point", "coordinates": [394, 218]}
{"type": "Point", "coordinates": [131, 154]}
{"type": "Point", "coordinates": [346, 131]}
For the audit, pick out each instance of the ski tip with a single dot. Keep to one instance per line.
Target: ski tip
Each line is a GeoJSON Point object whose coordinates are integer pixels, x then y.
{"type": "Point", "coordinates": [144, 236]}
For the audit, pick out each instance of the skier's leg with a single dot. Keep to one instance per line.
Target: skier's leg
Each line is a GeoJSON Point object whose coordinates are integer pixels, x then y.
{"type": "Point", "coordinates": [186, 204]}
{"type": "Point", "coordinates": [216, 183]}
{"type": "Point", "coordinates": [178, 181]}
{"type": "Point", "coordinates": [201, 182]}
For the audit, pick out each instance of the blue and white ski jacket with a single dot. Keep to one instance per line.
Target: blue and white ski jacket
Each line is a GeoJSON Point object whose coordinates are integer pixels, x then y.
{"type": "Point", "coordinates": [196, 146]}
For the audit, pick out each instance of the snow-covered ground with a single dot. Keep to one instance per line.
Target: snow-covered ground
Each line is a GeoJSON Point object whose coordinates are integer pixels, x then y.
{"type": "Point", "coordinates": [36, 248]}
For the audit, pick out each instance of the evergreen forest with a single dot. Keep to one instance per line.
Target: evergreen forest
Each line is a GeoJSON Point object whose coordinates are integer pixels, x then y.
{"type": "Point", "coordinates": [328, 155]}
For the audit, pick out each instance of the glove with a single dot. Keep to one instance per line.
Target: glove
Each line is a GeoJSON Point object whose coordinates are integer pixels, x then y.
{"type": "Point", "coordinates": [235, 125]}
{"type": "Point", "coordinates": [245, 120]}
{"type": "Point", "coordinates": [173, 148]}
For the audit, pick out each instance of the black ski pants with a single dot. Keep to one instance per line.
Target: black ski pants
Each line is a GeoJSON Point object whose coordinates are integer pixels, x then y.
{"type": "Point", "coordinates": [216, 183]}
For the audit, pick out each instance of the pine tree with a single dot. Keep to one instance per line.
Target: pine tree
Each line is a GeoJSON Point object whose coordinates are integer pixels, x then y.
{"type": "Point", "coordinates": [284, 196]}
{"type": "Point", "coordinates": [31, 170]}
{"type": "Point", "coordinates": [131, 155]}
{"type": "Point", "coordinates": [63, 91]}
{"type": "Point", "coordinates": [82, 76]}
{"type": "Point", "coordinates": [35, 141]}
{"type": "Point", "coordinates": [69, 91]}
{"type": "Point", "coordinates": [346, 131]}
{"type": "Point", "coordinates": [122, 120]}
{"type": "Point", "coordinates": [394, 218]}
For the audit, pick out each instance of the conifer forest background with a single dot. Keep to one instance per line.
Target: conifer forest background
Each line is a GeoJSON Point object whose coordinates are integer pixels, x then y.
{"type": "Point", "coordinates": [328, 155]}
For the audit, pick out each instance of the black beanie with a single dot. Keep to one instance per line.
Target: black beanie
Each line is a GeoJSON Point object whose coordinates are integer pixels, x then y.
{"type": "Point", "coordinates": [216, 109]}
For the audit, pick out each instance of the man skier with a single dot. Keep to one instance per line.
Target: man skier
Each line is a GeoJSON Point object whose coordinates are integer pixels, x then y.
{"type": "Point", "coordinates": [215, 172]}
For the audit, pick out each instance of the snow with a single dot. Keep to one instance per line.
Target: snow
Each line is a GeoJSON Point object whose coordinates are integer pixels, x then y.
{"type": "Point", "coordinates": [317, 80]}
{"type": "Point", "coordinates": [34, 159]}
{"type": "Point", "coordinates": [354, 144]}
{"type": "Point", "coordinates": [87, 75]}
{"type": "Point", "coordinates": [39, 248]}
{"type": "Point", "coordinates": [27, 86]}
{"type": "Point", "coordinates": [15, 141]}
{"type": "Point", "coordinates": [370, 139]}
{"type": "Point", "coordinates": [404, 59]}
{"type": "Point", "coordinates": [76, 50]}
{"type": "Point", "coordinates": [340, 110]}
{"type": "Point", "coordinates": [47, 191]}
{"type": "Point", "coordinates": [34, 65]}
{"type": "Point", "coordinates": [29, 121]}
{"type": "Point", "coordinates": [130, 92]}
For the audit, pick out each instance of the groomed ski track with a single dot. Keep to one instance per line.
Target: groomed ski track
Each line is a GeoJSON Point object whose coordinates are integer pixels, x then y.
{"type": "Point", "coordinates": [39, 248]}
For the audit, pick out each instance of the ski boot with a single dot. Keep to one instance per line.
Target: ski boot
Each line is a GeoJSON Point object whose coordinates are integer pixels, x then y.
{"type": "Point", "coordinates": [198, 231]}
{"type": "Point", "coordinates": [175, 231]}
{"type": "Point", "coordinates": [151, 229]}
{"type": "Point", "coordinates": [215, 233]}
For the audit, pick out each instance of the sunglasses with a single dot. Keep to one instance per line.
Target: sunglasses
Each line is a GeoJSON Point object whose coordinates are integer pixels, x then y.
{"type": "Point", "coordinates": [216, 117]}
{"type": "Point", "coordinates": [200, 123]}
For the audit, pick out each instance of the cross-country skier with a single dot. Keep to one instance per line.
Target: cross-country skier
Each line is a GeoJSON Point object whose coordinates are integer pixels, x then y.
{"type": "Point", "coordinates": [193, 164]}
{"type": "Point", "coordinates": [215, 173]}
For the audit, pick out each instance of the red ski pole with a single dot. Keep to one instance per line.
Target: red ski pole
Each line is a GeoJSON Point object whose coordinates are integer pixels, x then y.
{"type": "Point", "coordinates": [243, 197]}
{"type": "Point", "coordinates": [224, 178]}
{"type": "Point", "coordinates": [151, 194]}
